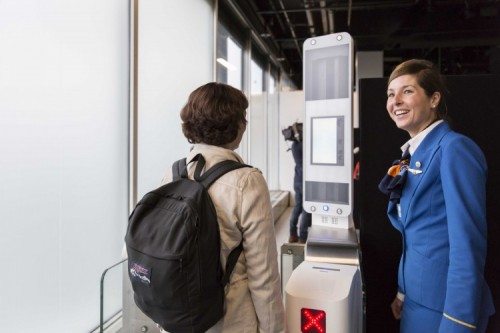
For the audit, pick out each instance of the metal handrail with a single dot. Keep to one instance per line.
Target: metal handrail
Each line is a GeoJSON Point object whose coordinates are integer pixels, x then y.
{"type": "Point", "coordinates": [101, 318]}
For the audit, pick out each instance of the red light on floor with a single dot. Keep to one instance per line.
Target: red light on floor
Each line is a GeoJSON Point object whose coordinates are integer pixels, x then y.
{"type": "Point", "coordinates": [312, 321]}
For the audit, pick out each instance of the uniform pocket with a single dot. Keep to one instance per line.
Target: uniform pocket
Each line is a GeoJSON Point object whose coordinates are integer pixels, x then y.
{"type": "Point", "coordinates": [414, 264]}
{"type": "Point", "coordinates": [434, 281]}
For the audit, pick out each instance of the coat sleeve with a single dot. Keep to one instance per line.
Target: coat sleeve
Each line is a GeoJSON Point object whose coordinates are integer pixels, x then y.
{"type": "Point", "coordinates": [463, 175]}
{"type": "Point", "coordinates": [259, 248]}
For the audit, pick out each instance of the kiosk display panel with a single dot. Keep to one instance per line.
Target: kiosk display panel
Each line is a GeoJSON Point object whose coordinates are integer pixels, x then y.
{"type": "Point", "coordinates": [327, 141]}
{"type": "Point", "coordinates": [327, 73]}
{"type": "Point", "coordinates": [335, 193]}
{"type": "Point", "coordinates": [328, 126]}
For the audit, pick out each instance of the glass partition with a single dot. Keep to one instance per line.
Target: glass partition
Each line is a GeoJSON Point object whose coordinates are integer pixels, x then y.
{"type": "Point", "coordinates": [229, 59]}
{"type": "Point", "coordinates": [64, 133]}
{"type": "Point", "coordinates": [258, 117]}
{"type": "Point", "coordinates": [273, 131]}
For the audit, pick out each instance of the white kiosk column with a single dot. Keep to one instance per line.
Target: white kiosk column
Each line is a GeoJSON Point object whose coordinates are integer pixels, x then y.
{"type": "Point", "coordinates": [324, 293]}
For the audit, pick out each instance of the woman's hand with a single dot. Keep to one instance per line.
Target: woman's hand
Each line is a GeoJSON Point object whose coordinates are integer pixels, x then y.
{"type": "Point", "coordinates": [396, 307]}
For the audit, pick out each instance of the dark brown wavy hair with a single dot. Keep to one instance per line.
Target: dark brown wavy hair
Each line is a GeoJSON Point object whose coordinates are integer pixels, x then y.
{"type": "Point", "coordinates": [428, 77]}
{"type": "Point", "coordinates": [213, 114]}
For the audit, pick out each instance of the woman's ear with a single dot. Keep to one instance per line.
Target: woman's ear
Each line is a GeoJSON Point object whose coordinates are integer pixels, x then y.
{"type": "Point", "coordinates": [435, 98]}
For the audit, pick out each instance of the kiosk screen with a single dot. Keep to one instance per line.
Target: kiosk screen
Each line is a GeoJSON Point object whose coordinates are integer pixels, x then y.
{"type": "Point", "coordinates": [327, 140]}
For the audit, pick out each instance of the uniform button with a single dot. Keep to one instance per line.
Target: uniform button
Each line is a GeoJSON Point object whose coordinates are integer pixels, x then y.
{"type": "Point", "coordinates": [325, 208]}
{"type": "Point", "coordinates": [313, 209]}
{"type": "Point", "coordinates": [418, 164]}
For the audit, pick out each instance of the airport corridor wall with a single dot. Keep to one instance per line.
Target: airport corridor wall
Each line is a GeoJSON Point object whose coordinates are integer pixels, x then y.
{"type": "Point", "coordinates": [64, 102]}
{"type": "Point", "coordinates": [472, 107]}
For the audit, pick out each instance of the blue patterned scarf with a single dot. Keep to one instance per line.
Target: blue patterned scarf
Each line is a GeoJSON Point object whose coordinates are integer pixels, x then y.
{"type": "Point", "coordinates": [394, 181]}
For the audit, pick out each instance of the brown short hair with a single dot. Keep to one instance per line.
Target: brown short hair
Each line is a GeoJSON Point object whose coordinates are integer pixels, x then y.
{"type": "Point", "coordinates": [213, 114]}
{"type": "Point", "coordinates": [428, 77]}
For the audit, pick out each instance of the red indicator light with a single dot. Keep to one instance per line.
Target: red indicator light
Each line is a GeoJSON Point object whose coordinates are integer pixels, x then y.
{"type": "Point", "coordinates": [312, 321]}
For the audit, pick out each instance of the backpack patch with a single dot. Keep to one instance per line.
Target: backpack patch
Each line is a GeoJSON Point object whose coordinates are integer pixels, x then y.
{"type": "Point", "coordinates": [140, 273]}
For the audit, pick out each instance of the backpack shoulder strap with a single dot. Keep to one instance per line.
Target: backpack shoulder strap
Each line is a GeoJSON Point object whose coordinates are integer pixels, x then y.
{"type": "Point", "coordinates": [231, 262]}
{"type": "Point", "coordinates": [179, 169]}
{"type": "Point", "coordinates": [217, 171]}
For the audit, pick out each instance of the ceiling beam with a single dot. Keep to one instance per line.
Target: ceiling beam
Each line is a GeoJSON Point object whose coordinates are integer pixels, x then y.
{"type": "Point", "coordinates": [324, 17]}
{"type": "Point", "coordinates": [292, 30]}
{"type": "Point", "coordinates": [310, 20]}
{"type": "Point", "coordinates": [344, 7]}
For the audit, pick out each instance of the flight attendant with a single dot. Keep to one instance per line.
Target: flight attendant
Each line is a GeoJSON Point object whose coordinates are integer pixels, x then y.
{"type": "Point", "coordinates": [437, 194]}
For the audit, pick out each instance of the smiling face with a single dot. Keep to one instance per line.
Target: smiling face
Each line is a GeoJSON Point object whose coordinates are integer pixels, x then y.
{"type": "Point", "coordinates": [409, 106]}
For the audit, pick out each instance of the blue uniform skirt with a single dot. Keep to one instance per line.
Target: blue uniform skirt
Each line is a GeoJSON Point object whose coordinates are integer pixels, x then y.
{"type": "Point", "coordinates": [416, 318]}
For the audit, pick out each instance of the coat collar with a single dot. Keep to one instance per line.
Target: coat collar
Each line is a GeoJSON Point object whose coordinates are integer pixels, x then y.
{"type": "Point", "coordinates": [432, 139]}
{"type": "Point", "coordinates": [414, 142]}
{"type": "Point", "coordinates": [213, 154]}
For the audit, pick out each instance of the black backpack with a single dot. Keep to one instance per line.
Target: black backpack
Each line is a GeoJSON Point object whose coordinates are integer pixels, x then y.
{"type": "Point", "coordinates": [173, 245]}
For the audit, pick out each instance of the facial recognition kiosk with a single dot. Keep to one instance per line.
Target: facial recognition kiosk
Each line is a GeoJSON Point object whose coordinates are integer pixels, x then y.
{"type": "Point", "coordinates": [324, 293]}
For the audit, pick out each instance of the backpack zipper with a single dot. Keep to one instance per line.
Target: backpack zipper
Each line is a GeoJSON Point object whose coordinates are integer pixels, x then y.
{"type": "Point", "coordinates": [192, 207]}
{"type": "Point", "coordinates": [177, 257]}
{"type": "Point", "coordinates": [198, 254]}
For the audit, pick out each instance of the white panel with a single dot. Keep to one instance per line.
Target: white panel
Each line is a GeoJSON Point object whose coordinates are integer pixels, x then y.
{"type": "Point", "coordinates": [291, 106]}
{"type": "Point", "coordinates": [258, 132]}
{"type": "Point", "coordinates": [257, 118]}
{"type": "Point", "coordinates": [235, 59]}
{"type": "Point", "coordinates": [256, 77]}
{"type": "Point", "coordinates": [274, 136]}
{"type": "Point", "coordinates": [63, 175]}
{"type": "Point", "coordinates": [172, 62]}
{"type": "Point", "coordinates": [369, 64]}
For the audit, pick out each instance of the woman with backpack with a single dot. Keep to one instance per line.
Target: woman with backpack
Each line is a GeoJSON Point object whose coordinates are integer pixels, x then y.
{"type": "Point", "coordinates": [213, 119]}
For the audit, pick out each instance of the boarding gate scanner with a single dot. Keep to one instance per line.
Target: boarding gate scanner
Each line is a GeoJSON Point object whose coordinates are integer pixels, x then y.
{"type": "Point", "coordinates": [324, 293]}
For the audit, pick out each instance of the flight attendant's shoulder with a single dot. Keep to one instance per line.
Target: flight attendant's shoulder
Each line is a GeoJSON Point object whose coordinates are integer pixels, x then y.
{"type": "Point", "coordinates": [456, 147]}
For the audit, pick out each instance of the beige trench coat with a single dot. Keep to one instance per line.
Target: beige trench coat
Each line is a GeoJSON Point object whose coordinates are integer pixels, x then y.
{"type": "Point", "coordinates": [241, 199]}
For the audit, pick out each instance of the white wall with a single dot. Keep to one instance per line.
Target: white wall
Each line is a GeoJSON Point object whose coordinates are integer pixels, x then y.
{"type": "Point", "coordinates": [173, 61]}
{"type": "Point", "coordinates": [291, 108]}
{"type": "Point", "coordinates": [63, 170]}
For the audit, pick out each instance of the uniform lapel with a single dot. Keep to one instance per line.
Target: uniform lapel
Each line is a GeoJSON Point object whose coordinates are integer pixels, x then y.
{"type": "Point", "coordinates": [420, 161]}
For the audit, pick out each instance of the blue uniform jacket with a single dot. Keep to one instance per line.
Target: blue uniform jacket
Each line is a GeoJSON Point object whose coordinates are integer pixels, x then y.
{"type": "Point", "coordinates": [443, 223]}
